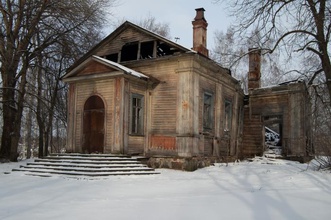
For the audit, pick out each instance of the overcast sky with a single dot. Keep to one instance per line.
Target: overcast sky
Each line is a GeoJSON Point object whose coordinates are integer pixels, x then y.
{"type": "Point", "coordinates": [178, 14]}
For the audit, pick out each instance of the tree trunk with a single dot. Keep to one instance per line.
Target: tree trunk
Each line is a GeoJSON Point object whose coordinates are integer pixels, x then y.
{"type": "Point", "coordinates": [28, 128]}
{"type": "Point", "coordinates": [7, 151]}
{"type": "Point", "coordinates": [40, 118]}
{"type": "Point", "coordinates": [6, 140]}
{"type": "Point", "coordinates": [41, 142]}
{"type": "Point", "coordinates": [12, 115]}
{"type": "Point", "coordinates": [327, 71]}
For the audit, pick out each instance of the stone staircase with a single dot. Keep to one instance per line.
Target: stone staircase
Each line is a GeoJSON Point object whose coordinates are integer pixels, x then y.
{"type": "Point", "coordinates": [88, 165]}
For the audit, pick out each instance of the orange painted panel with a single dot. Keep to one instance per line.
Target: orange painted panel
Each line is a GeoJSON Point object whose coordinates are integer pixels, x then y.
{"type": "Point", "coordinates": [163, 142]}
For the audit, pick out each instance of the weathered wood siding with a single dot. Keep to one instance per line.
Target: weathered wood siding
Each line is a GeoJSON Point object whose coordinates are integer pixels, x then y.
{"type": "Point", "coordinates": [187, 127]}
{"type": "Point", "coordinates": [95, 68]}
{"type": "Point", "coordinates": [161, 105]}
{"type": "Point", "coordinates": [164, 99]}
{"type": "Point", "coordinates": [216, 82]}
{"type": "Point", "coordinates": [136, 145]}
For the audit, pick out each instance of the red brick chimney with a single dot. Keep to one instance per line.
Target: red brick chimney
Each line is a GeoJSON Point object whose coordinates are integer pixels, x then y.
{"type": "Point", "coordinates": [254, 70]}
{"type": "Point", "coordinates": [200, 32]}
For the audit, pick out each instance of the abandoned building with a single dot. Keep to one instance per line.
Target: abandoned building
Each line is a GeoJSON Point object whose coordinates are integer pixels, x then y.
{"type": "Point", "coordinates": [138, 93]}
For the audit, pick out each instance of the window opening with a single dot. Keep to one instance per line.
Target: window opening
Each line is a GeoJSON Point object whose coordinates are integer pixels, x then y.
{"type": "Point", "coordinates": [142, 50]}
{"type": "Point", "coordinates": [137, 114]}
{"type": "Point", "coordinates": [227, 115]}
{"type": "Point", "coordinates": [207, 111]}
{"type": "Point", "coordinates": [164, 49]}
{"type": "Point", "coordinates": [146, 50]}
{"type": "Point", "coordinates": [129, 52]}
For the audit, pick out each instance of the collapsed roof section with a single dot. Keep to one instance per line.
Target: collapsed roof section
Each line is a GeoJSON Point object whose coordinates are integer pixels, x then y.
{"type": "Point", "coordinates": [131, 42]}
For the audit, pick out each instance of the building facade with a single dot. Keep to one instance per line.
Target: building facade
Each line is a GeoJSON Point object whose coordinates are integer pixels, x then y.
{"type": "Point", "coordinates": [138, 93]}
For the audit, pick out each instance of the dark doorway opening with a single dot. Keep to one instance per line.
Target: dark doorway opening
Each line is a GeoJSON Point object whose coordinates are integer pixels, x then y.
{"type": "Point", "coordinates": [273, 133]}
{"type": "Point", "coordinates": [93, 125]}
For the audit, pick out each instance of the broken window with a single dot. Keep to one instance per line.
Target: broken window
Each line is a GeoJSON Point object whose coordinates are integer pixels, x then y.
{"type": "Point", "coordinates": [164, 49]}
{"type": "Point", "coordinates": [227, 115]}
{"type": "Point", "coordinates": [208, 111]}
{"type": "Point", "coordinates": [129, 52]}
{"type": "Point", "coordinates": [146, 50]}
{"type": "Point", "coordinates": [137, 114]}
{"type": "Point", "coordinates": [142, 50]}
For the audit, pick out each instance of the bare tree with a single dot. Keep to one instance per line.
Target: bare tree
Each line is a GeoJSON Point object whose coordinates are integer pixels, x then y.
{"type": "Point", "coordinates": [150, 23]}
{"type": "Point", "coordinates": [51, 92]}
{"type": "Point", "coordinates": [298, 27]}
{"type": "Point", "coordinates": [22, 21]}
{"type": "Point", "coordinates": [231, 52]}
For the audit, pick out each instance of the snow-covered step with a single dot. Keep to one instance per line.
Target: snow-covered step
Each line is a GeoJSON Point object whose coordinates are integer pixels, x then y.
{"type": "Point", "coordinates": [92, 158]}
{"type": "Point", "coordinates": [86, 165]}
{"type": "Point", "coordinates": [82, 169]}
{"type": "Point", "coordinates": [84, 161]}
{"type": "Point", "coordinates": [41, 172]}
{"type": "Point", "coordinates": [88, 155]}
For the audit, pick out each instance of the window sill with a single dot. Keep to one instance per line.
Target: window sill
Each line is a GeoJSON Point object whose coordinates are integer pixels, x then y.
{"type": "Point", "coordinates": [137, 135]}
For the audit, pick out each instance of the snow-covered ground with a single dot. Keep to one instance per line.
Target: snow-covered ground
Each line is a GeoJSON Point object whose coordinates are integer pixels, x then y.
{"type": "Point", "coordinates": [245, 190]}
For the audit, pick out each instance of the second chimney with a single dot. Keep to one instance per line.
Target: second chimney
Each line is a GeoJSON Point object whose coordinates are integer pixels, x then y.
{"type": "Point", "coordinates": [254, 70]}
{"type": "Point", "coordinates": [200, 32]}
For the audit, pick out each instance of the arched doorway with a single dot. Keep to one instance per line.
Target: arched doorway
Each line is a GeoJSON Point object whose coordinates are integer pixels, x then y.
{"type": "Point", "coordinates": [93, 125]}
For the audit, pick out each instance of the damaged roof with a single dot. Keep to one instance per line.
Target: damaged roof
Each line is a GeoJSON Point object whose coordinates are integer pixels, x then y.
{"type": "Point", "coordinates": [115, 34]}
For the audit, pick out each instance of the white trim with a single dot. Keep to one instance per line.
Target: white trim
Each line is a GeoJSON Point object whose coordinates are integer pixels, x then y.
{"type": "Point", "coordinates": [121, 69]}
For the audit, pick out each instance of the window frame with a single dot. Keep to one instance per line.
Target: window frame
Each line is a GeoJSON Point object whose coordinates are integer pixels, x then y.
{"type": "Point", "coordinates": [208, 117]}
{"type": "Point", "coordinates": [228, 112]}
{"type": "Point", "coordinates": [137, 114]}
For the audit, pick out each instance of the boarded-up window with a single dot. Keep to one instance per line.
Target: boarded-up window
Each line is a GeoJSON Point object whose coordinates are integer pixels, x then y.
{"type": "Point", "coordinates": [137, 114]}
{"type": "Point", "coordinates": [208, 111]}
{"type": "Point", "coordinates": [227, 115]}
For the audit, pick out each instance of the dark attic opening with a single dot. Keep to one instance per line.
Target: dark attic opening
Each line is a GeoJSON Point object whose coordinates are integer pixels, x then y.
{"type": "Point", "coordinates": [164, 49]}
{"type": "Point", "coordinates": [129, 51]}
{"type": "Point", "coordinates": [273, 129]}
{"type": "Point", "coordinates": [112, 57]}
{"type": "Point", "coordinates": [142, 50]}
{"type": "Point", "coordinates": [146, 50]}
